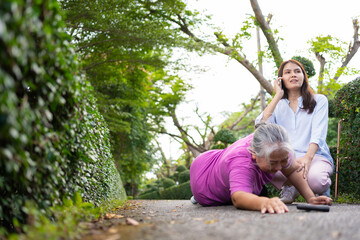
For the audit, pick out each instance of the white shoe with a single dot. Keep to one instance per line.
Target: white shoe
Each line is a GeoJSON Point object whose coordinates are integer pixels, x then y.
{"type": "Point", "coordinates": [192, 200]}
{"type": "Point", "coordinates": [288, 194]}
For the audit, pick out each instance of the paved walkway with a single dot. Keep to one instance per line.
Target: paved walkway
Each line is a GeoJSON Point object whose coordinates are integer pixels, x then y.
{"type": "Point", "coordinates": [180, 219]}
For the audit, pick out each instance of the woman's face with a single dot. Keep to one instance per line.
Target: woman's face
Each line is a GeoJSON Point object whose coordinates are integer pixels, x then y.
{"type": "Point", "coordinates": [293, 77]}
{"type": "Point", "coordinates": [278, 160]}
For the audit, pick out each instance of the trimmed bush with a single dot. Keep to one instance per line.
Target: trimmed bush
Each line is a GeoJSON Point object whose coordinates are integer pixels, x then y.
{"type": "Point", "coordinates": [149, 195]}
{"type": "Point", "coordinates": [181, 168]}
{"type": "Point", "coordinates": [167, 182]}
{"type": "Point", "coordinates": [53, 141]}
{"type": "Point", "coordinates": [181, 191]}
{"type": "Point", "coordinates": [347, 107]}
{"type": "Point", "coordinates": [225, 136]}
{"type": "Point", "coordinates": [307, 64]}
{"type": "Point", "coordinates": [218, 146]}
{"type": "Point", "coordinates": [184, 176]}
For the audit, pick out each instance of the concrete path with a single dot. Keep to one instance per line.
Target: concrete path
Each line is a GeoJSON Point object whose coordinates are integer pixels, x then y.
{"type": "Point", "coordinates": [181, 220]}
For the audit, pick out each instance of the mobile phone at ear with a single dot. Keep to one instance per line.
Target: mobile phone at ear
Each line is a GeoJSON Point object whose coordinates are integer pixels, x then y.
{"type": "Point", "coordinates": [309, 207]}
{"type": "Point", "coordinates": [282, 84]}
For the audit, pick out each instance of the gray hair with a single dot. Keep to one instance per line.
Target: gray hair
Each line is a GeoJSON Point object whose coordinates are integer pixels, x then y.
{"type": "Point", "coordinates": [268, 138]}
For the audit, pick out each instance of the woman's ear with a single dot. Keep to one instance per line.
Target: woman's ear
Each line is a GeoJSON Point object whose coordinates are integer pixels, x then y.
{"type": "Point", "coordinates": [253, 156]}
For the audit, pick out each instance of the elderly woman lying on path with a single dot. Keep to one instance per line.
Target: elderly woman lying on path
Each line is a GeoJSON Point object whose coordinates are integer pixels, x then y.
{"type": "Point", "coordinates": [238, 173]}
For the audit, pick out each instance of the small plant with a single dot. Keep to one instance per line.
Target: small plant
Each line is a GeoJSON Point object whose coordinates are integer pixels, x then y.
{"type": "Point", "coordinates": [66, 219]}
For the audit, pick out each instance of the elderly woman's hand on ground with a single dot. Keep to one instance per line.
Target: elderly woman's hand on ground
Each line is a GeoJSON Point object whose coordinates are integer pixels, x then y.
{"type": "Point", "coordinates": [274, 205]}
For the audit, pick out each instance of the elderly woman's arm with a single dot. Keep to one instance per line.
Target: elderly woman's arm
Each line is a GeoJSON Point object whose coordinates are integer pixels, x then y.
{"type": "Point", "coordinates": [296, 178]}
{"type": "Point", "coordinates": [249, 201]}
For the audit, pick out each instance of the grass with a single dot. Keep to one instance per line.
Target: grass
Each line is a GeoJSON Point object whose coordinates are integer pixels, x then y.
{"type": "Point", "coordinates": [65, 221]}
{"type": "Point", "coordinates": [343, 198]}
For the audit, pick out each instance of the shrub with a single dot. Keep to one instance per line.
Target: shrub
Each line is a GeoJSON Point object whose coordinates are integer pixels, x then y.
{"type": "Point", "coordinates": [218, 146]}
{"type": "Point", "coordinates": [308, 65]}
{"type": "Point", "coordinates": [181, 191]}
{"type": "Point", "coordinates": [347, 107]}
{"type": "Point", "coordinates": [167, 182]}
{"type": "Point", "coordinates": [53, 141]}
{"type": "Point", "coordinates": [225, 136]}
{"type": "Point", "coordinates": [149, 195]}
{"type": "Point", "coordinates": [184, 176]}
{"type": "Point", "coordinates": [180, 168]}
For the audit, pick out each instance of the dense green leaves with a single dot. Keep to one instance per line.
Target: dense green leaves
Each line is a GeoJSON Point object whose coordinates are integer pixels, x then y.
{"type": "Point", "coordinates": [308, 65]}
{"type": "Point", "coordinates": [124, 49]}
{"type": "Point", "coordinates": [347, 107]}
{"type": "Point", "coordinates": [53, 141]}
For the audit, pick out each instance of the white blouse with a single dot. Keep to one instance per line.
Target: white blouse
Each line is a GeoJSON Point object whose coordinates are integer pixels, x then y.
{"type": "Point", "coordinates": [303, 128]}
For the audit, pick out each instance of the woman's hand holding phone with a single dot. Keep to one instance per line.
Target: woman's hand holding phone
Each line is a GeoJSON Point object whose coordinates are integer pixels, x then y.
{"type": "Point", "coordinates": [278, 87]}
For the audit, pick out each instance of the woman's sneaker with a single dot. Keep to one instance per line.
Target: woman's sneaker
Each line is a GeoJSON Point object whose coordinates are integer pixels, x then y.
{"type": "Point", "coordinates": [288, 194]}
{"type": "Point", "coordinates": [192, 200]}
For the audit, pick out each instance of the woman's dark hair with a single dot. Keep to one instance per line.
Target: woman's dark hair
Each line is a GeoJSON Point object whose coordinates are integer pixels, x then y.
{"type": "Point", "coordinates": [307, 93]}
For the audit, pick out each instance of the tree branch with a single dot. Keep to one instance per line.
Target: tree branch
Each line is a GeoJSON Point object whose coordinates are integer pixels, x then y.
{"type": "Point", "coordinates": [193, 147]}
{"type": "Point", "coordinates": [243, 127]}
{"type": "Point", "coordinates": [228, 50]}
{"type": "Point", "coordinates": [248, 109]}
{"type": "Point", "coordinates": [352, 50]}
{"type": "Point", "coordinates": [322, 61]}
{"type": "Point", "coordinates": [243, 61]}
{"type": "Point", "coordinates": [267, 32]}
{"type": "Point", "coordinates": [165, 161]}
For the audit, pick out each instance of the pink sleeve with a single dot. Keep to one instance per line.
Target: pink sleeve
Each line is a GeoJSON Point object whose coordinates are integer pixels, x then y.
{"type": "Point", "coordinates": [240, 178]}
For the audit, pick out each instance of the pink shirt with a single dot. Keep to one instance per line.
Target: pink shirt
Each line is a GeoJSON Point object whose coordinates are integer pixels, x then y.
{"type": "Point", "coordinates": [216, 174]}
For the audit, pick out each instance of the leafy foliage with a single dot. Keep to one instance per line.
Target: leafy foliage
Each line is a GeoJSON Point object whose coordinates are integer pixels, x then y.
{"type": "Point", "coordinates": [334, 52]}
{"type": "Point", "coordinates": [307, 64]}
{"type": "Point", "coordinates": [167, 182]}
{"type": "Point", "coordinates": [225, 135]}
{"type": "Point", "coordinates": [181, 168]}
{"type": "Point", "coordinates": [184, 176]}
{"type": "Point", "coordinates": [347, 107]}
{"type": "Point", "coordinates": [53, 141]}
{"type": "Point", "coordinates": [124, 50]}
{"type": "Point", "coordinates": [159, 188]}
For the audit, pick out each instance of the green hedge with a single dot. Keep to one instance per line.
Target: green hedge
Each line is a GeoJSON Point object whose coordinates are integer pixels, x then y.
{"type": "Point", "coordinates": [53, 141]}
{"type": "Point", "coordinates": [347, 107]}
{"type": "Point", "coordinates": [150, 195]}
{"type": "Point", "coordinates": [181, 191]}
{"type": "Point", "coordinates": [167, 182]}
{"type": "Point", "coordinates": [184, 176]}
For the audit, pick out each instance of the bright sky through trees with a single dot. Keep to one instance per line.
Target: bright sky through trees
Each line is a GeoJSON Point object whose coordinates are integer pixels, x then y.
{"type": "Point", "coordinates": [226, 84]}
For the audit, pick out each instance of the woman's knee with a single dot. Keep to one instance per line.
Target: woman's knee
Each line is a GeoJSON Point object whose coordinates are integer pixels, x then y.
{"type": "Point", "coordinates": [319, 182]}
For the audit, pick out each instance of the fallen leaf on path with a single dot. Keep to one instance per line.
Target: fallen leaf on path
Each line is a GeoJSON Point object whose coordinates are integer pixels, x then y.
{"type": "Point", "coordinates": [130, 221]}
{"type": "Point", "coordinates": [301, 218]}
{"type": "Point", "coordinates": [197, 219]}
{"type": "Point", "coordinates": [112, 230]}
{"type": "Point", "coordinates": [112, 215]}
{"type": "Point", "coordinates": [211, 221]}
